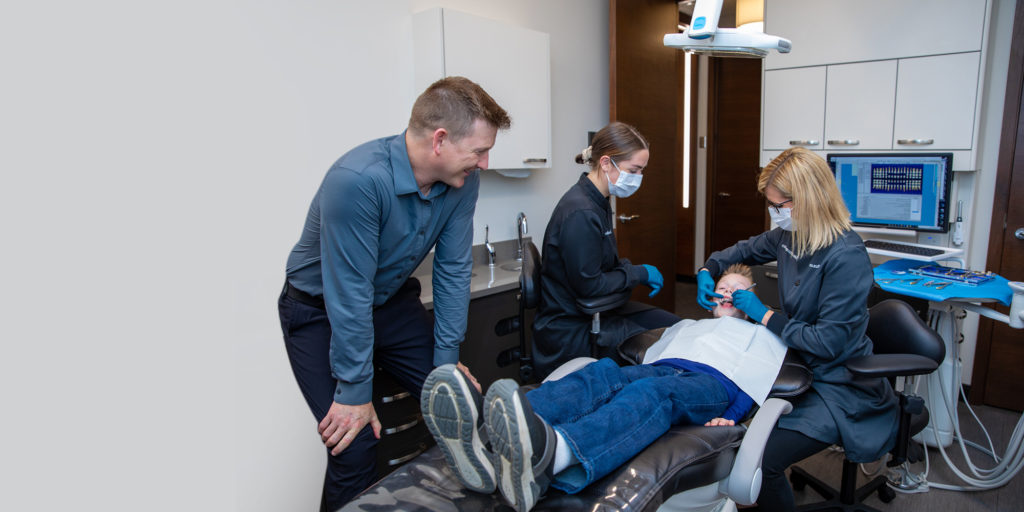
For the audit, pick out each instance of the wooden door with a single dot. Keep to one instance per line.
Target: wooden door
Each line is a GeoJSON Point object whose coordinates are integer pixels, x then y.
{"type": "Point", "coordinates": [1000, 354]}
{"type": "Point", "coordinates": [644, 92]}
{"type": "Point", "coordinates": [736, 211]}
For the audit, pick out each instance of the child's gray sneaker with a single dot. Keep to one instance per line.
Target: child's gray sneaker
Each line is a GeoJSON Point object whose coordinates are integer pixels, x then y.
{"type": "Point", "coordinates": [451, 409]}
{"type": "Point", "coordinates": [523, 445]}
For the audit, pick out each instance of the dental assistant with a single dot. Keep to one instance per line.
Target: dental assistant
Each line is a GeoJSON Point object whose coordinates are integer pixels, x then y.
{"type": "Point", "coordinates": [581, 258]}
{"type": "Point", "coordinates": [349, 303]}
{"type": "Point", "coordinates": [825, 276]}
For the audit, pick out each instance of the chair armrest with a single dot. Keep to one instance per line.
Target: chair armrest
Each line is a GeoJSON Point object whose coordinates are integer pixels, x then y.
{"type": "Point", "coordinates": [744, 482]}
{"type": "Point", "coordinates": [633, 349]}
{"type": "Point", "coordinates": [591, 305]}
{"type": "Point", "coordinates": [568, 367]}
{"type": "Point", "coordinates": [793, 379]}
{"type": "Point", "coordinates": [891, 365]}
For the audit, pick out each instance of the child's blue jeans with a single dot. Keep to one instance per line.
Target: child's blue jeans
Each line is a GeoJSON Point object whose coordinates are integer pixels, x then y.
{"type": "Point", "coordinates": [608, 414]}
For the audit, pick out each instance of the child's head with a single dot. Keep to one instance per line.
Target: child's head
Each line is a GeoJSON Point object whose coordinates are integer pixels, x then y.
{"type": "Point", "coordinates": [736, 277]}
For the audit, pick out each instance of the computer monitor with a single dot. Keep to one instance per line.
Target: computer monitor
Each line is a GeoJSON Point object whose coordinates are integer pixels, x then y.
{"type": "Point", "coordinates": [895, 190]}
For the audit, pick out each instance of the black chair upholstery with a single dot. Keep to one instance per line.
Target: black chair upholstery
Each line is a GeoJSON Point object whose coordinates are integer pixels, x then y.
{"type": "Point", "coordinates": [903, 346]}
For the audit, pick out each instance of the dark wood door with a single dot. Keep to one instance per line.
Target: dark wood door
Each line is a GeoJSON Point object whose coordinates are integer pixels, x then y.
{"type": "Point", "coordinates": [644, 92]}
{"type": "Point", "coordinates": [736, 211]}
{"type": "Point", "coordinates": [1000, 353]}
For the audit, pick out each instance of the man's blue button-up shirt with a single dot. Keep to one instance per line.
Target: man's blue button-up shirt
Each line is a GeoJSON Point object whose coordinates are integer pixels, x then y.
{"type": "Point", "coordinates": [367, 230]}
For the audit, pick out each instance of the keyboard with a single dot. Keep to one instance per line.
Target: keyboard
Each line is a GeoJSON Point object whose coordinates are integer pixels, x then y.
{"type": "Point", "coordinates": [906, 250]}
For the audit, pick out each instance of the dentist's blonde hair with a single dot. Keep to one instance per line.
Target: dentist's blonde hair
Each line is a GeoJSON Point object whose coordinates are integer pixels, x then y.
{"type": "Point", "coordinates": [820, 216]}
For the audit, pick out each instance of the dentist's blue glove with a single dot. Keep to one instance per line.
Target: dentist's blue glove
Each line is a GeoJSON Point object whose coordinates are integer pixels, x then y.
{"type": "Point", "coordinates": [748, 303]}
{"type": "Point", "coordinates": [654, 279]}
{"type": "Point", "coordinates": [705, 289]}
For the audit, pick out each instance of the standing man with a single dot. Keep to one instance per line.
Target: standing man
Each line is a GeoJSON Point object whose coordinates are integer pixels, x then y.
{"type": "Point", "coordinates": [349, 301]}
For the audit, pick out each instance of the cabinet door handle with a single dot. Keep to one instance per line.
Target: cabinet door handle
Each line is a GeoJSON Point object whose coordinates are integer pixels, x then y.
{"type": "Point", "coordinates": [406, 458]}
{"type": "Point", "coordinates": [844, 142]}
{"type": "Point", "coordinates": [627, 218]}
{"type": "Point", "coordinates": [771, 275]}
{"type": "Point", "coordinates": [915, 142]}
{"type": "Point", "coordinates": [805, 142]}
{"type": "Point", "coordinates": [403, 427]}
{"type": "Point", "coordinates": [395, 397]}
{"type": "Point", "coordinates": [724, 194]}
{"type": "Point", "coordinates": [535, 160]}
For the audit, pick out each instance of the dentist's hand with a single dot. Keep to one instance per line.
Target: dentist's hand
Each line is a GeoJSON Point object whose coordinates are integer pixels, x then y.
{"type": "Point", "coordinates": [705, 289]}
{"type": "Point", "coordinates": [748, 303]}
{"type": "Point", "coordinates": [654, 279]}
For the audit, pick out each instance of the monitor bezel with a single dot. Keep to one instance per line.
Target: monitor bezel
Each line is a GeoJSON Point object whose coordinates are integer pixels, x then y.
{"type": "Point", "coordinates": [944, 213]}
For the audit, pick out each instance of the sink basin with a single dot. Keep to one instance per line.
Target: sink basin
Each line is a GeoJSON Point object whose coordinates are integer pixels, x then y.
{"type": "Point", "coordinates": [514, 266]}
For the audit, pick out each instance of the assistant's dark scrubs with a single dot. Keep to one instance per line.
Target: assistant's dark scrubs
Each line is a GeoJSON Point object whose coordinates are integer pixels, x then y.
{"type": "Point", "coordinates": [581, 260]}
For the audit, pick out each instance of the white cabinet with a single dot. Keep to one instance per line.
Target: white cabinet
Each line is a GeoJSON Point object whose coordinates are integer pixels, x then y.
{"type": "Point", "coordinates": [794, 108]}
{"type": "Point", "coordinates": [859, 104]}
{"type": "Point", "coordinates": [841, 31]}
{"type": "Point", "coordinates": [935, 102]}
{"type": "Point", "coordinates": [924, 103]}
{"type": "Point", "coordinates": [513, 64]}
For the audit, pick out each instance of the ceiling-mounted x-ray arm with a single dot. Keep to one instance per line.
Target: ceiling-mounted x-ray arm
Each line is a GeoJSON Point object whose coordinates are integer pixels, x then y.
{"type": "Point", "coordinates": [704, 37]}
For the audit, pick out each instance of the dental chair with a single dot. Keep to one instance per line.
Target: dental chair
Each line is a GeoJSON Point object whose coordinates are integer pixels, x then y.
{"type": "Point", "coordinates": [693, 468]}
{"type": "Point", "coordinates": [903, 346]}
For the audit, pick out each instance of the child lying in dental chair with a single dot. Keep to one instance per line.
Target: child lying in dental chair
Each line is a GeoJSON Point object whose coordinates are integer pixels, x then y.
{"type": "Point", "coordinates": [567, 433]}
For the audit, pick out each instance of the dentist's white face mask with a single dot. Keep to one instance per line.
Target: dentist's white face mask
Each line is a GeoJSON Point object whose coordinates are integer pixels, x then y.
{"type": "Point", "coordinates": [626, 184]}
{"type": "Point", "coordinates": [782, 217]}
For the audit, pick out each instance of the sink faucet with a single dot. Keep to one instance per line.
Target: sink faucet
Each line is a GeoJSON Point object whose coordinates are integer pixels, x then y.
{"type": "Point", "coordinates": [520, 231]}
{"type": "Point", "coordinates": [490, 248]}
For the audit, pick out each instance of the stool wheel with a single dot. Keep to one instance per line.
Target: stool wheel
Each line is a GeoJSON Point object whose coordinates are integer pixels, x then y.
{"type": "Point", "coordinates": [886, 494]}
{"type": "Point", "coordinates": [797, 481]}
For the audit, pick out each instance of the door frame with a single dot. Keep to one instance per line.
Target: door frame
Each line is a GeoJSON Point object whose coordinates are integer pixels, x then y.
{"type": "Point", "coordinates": [1011, 152]}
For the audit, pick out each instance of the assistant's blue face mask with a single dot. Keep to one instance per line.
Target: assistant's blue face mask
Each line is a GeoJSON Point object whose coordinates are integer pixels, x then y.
{"type": "Point", "coordinates": [626, 184]}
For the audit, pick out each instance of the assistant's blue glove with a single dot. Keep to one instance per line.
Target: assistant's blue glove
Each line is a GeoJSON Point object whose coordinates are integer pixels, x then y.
{"type": "Point", "coordinates": [654, 279]}
{"type": "Point", "coordinates": [748, 303]}
{"type": "Point", "coordinates": [705, 289]}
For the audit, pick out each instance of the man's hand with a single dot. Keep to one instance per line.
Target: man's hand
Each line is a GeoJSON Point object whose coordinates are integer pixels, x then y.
{"type": "Point", "coordinates": [469, 376]}
{"type": "Point", "coordinates": [720, 422]}
{"type": "Point", "coordinates": [343, 422]}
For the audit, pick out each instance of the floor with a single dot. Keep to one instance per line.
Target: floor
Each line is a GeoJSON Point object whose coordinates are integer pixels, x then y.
{"type": "Point", "coordinates": [1000, 424]}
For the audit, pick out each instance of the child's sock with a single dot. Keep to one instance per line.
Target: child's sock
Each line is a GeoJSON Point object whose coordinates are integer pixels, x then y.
{"type": "Point", "coordinates": [563, 454]}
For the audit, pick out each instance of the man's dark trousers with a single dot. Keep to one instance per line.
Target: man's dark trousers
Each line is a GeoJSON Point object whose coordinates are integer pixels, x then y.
{"type": "Point", "coordinates": [403, 347]}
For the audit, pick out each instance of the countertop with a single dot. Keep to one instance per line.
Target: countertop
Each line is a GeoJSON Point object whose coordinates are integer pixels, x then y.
{"type": "Point", "coordinates": [487, 280]}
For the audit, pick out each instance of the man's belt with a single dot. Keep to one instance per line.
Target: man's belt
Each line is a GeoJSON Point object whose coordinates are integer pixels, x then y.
{"type": "Point", "coordinates": [303, 297]}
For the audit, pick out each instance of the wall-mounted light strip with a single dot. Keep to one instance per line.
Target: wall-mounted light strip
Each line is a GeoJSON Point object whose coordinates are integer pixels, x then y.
{"type": "Point", "coordinates": [686, 130]}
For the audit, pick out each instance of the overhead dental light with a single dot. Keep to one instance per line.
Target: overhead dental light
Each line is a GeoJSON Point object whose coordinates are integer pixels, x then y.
{"type": "Point", "coordinates": [703, 36]}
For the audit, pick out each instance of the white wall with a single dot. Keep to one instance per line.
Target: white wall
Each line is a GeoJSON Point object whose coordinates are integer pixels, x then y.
{"type": "Point", "coordinates": [158, 160]}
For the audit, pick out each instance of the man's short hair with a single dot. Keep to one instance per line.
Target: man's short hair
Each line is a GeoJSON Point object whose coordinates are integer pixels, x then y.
{"type": "Point", "coordinates": [454, 103]}
{"type": "Point", "coordinates": [741, 269]}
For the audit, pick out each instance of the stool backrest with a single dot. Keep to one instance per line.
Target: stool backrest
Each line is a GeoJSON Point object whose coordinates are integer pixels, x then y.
{"type": "Point", "coordinates": [529, 278]}
{"type": "Point", "coordinates": [895, 328]}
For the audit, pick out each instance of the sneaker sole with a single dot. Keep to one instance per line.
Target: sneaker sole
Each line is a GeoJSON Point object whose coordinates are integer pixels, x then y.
{"type": "Point", "coordinates": [510, 441]}
{"type": "Point", "coordinates": [451, 418]}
